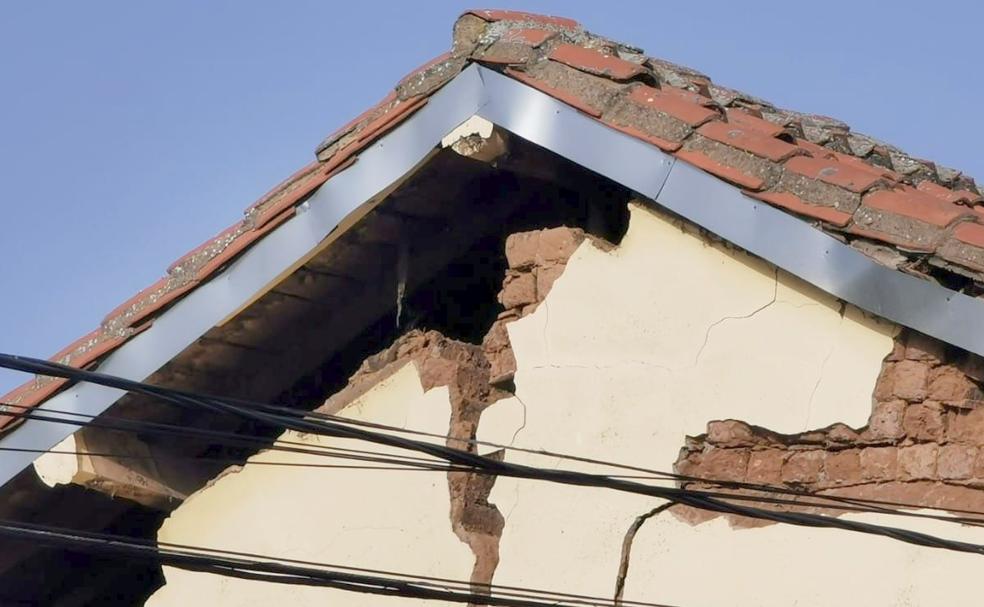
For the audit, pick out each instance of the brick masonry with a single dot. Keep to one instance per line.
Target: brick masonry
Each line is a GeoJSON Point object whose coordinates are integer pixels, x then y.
{"type": "Point", "coordinates": [923, 444]}
{"type": "Point", "coordinates": [536, 259]}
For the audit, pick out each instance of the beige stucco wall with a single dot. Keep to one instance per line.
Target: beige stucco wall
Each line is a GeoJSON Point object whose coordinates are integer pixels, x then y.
{"type": "Point", "coordinates": [637, 347]}
{"type": "Point", "coordinates": [385, 520]}
{"type": "Point", "coordinates": [632, 350]}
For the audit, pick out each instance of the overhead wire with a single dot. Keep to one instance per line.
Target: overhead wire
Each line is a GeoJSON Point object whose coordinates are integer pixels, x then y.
{"type": "Point", "coordinates": [282, 570]}
{"type": "Point", "coordinates": [697, 499]}
{"type": "Point", "coordinates": [186, 398]}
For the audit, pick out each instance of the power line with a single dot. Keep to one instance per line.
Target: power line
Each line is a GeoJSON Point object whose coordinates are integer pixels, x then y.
{"type": "Point", "coordinates": [189, 399]}
{"type": "Point", "coordinates": [291, 571]}
{"type": "Point", "coordinates": [698, 499]}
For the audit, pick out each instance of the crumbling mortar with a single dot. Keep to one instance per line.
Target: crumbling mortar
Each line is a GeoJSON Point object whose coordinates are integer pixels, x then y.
{"type": "Point", "coordinates": [925, 434]}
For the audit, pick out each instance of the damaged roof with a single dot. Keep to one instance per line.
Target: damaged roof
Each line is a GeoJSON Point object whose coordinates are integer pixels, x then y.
{"type": "Point", "coordinates": [908, 213]}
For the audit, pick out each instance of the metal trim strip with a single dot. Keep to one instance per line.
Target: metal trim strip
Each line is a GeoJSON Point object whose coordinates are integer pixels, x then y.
{"type": "Point", "coordinates": [780, 238]}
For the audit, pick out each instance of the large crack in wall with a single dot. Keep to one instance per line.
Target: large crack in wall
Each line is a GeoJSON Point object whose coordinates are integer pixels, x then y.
{"type": "Point", "coordinates": [923, 444]}
{"type": "Point", "coordinates": [476, 377]}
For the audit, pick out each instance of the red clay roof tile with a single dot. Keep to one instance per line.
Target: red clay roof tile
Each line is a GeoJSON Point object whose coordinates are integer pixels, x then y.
{"type": "Point", "coordinates": [567, 97]}
{"type": "Point", "coordinates": [504, 15]}
{"type": "Point", "coordinates": [527, 36]}
{"type": "Point", "coordinates": [797, 205]}
{"type": "Point", "coordinates": [664, 144]}
{"type": "Point", "coordinates": [742, 119]}
{"type": "Point", "coordinates": [910, 217]}
{"type": "Point", "coordinates": [916, 205]}
{"type": "Point", "coordinates": [681, 104]}
{"type": "Point", "coordinates": [970, 233]}
{"type": "Point", "coordinates": [595, 62]}
{"type": "Point", "coordinates": [954, 196]}
{"type": "Point", "coordinates": [834, 173]}
{"type": "Point", "coordinates": [723, 171]}
{"type": "Point", "coordinates": [750, 140]}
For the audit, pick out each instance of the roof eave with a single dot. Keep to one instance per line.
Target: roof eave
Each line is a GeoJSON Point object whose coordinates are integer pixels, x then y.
{"type": "Point", "coordinates": [778, 237]}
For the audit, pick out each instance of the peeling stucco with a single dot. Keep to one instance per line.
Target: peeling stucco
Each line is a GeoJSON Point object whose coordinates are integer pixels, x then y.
{"type": "Point", "coordinates": [621, 354]}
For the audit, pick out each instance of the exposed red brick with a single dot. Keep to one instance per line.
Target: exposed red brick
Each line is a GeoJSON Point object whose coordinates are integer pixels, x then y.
{"type": "Point", "coordinates": [725, 464]}
{"type": "Point", "coordinates": [879, 463]}
{"type": "Point", "coordinates": [595, 62]}
{"type": "Point", "coordinates": [918, 461]}
{"type": "Point", "coordinates": [749, 140]}
{"type": "Point", "coordinates": [731, 433]}
{"type": "Point", "coordinates": [545, 279]}
{"type": "Point", "coordinates": [833, 172]}
{"type": "Point", "coordinates": [843, 467]}
{"type": "Point", "coordinates": [703, 161]}
{"type": "Point", "coordinates": [924, 421]}
{"type": "Point", "coordinates": [907, 379]}
{"type": "Point", "coordinates": [506, 15]}
{"type": "Point", "coordinates": [885, 422]}
{"type": "Point", "coordinates": [765, 467]}
{"type": "Point", "coordinates": [950, 384]}
{"type": "Point", "coordinates": [519, 289]}
{"type": "Point", "coordinates": [909, 202]}
{"type": "Point", "coordinates": [924, 348]}
{"type": "Point", "coordinates": [956, 462]}
{"type": "Point", "coordinates": [803, 467]}
{"type": "Point", "coordinates": [797, 205]}
{"type": "Point", "coordinates": [966, 426]}
{"type": "Point", "coordinates": [842, 434]}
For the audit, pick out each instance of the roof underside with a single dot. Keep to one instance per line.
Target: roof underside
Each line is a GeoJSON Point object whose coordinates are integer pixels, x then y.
{"type": "Point", "coordinates": [908, 214]}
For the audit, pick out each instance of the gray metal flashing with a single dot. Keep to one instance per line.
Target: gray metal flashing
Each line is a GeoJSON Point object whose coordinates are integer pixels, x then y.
{"type": "Point", "coordinates": [784, 240]}
{"type": "Point", "coordinates": [380, 165]}
{"type": "Point", "coordinates": [721, 208]}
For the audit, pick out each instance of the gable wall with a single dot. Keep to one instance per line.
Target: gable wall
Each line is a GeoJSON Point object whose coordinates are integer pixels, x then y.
{"type": "Point", "coordinates": [634, 349]}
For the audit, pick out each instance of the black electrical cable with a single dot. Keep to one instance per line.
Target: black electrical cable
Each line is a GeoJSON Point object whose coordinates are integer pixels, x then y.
{"type": "Point", "coordinates": [687, 497]}
{"type": "Point", "coordinates": [225, 562]}
{"type": "Point", "coordinates": [124, 425]}
{"type": "Point", "coordinates": [188, 399]}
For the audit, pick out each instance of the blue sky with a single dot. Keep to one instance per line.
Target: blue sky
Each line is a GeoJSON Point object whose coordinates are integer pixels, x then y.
{"type": "Point", "coordinates": [132, 131]}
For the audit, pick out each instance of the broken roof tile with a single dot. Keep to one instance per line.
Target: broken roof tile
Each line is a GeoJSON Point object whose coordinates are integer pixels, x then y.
{"type": "Point", "coordinates": [911, 203]}
{"type": "Point", "coordinates": [746, 144]}
{"type": "Point", "coordinates": [953, 196]}
{"type": "Point", "coordinates": [586, 92]}
{"type": "Point", "coordinates": [522, 17]}
{"type": "Point", "coordinates": [429, 77]}
{"type": "Point", "coordinates": [750, 140]}
{"type": "Point", "coordinates": [703, 160]}
{"type": "Point", "coordinates": [680, 104]}
{"type": "Point", "coordinates": [514, 46]}
{"type": "Point", "coordinates": [743, 119]}
{"type": "Point", "coordinates": [834, 173]}
{"type": "Point", "coordinates": [818, 192]}
{"type": "Point", "coordinates": [797, 205]}
{"type": "Point", "coordinates": [595, 62]}
{"type": "Point", "coordinates": [965, 246]}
